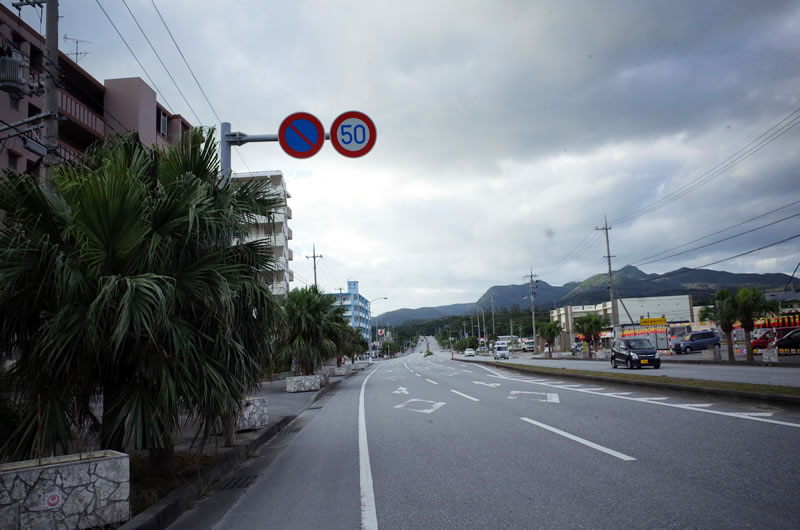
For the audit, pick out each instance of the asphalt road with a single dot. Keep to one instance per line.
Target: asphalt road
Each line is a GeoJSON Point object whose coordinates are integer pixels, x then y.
{"type": "Point", "coordinates": [442, 444]}
{"type": "Point", "coordinates": [765, 375]}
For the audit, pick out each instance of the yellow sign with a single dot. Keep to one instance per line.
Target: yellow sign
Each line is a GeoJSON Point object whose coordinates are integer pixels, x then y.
{"type": "Point", "coordinates": [652, 321]}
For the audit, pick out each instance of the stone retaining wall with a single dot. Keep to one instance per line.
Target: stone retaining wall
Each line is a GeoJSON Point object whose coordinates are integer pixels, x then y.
{"type": "Point", "coordinates": [72, 491]}
{"type": "Point", "coordinates": [303, 383]}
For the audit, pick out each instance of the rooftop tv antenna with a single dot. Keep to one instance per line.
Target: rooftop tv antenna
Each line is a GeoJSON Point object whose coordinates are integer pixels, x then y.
{"type": "Point", "coordinates": [78, 54]}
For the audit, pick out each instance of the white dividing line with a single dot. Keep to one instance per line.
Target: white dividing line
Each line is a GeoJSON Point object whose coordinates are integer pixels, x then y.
{"type": "Point", "coordinates": [418, 375]}
{"type": "Point", "coordinates": [369, 516]}
{"type": "Point", "coordinates": [468, 371]}
{"type": "Point", "coordinates": [464, 395]}
{"type": "Point", "coordinates": [432, 382]}
{"type": "Point", "coordinates": [580, 440]}
{"type": "Point", "coordinates": [652, 399]}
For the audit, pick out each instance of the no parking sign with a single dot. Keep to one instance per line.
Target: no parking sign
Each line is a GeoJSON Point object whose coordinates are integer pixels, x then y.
{"type": "Point", "coordinates": [301, 135]}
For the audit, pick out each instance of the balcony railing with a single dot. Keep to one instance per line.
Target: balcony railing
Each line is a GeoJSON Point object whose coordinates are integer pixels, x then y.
{"type": "Point", "coordinates": [80, 113]}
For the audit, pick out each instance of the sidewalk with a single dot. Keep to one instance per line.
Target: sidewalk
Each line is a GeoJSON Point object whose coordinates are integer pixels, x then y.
{"type": "Point", "coordinates": [283, 408]}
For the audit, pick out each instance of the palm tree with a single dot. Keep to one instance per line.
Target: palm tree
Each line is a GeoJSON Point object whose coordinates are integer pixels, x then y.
{"type": "Point", "coordinates": [121, 282]}
{"type": "Point", "coordinates": [549, 331]}
{"type": "Point", "coordinates": [751, 305]}
{"type": "Point", "coordinates": [724, 313]}
{"type": "Point", "coordinates": [590, 327]}
{"type": "Point", "coordinates": [314, 328]}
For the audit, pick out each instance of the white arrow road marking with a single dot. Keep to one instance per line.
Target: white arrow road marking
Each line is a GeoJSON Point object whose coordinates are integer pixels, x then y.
{"type": "Point", "coordinates": [493, 385]}
{"type": "Point", "coordinates": [578, 439]}
{"type": "Point", "coordinates": [432, 382]}
{"type": "Point", "coordinates": [464, 395]}
{"type": "Point", "coordinates": [434, 405]}
{"type": "Point", "coordinates": [552, 398]}
{"type": "Point", "coordinates": [401, 390]}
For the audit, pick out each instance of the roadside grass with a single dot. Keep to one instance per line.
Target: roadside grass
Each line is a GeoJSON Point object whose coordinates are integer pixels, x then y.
{"type": "Point", "coordinates": [696, 383]}
{"type": "Point", "coordinates": [147, 487]}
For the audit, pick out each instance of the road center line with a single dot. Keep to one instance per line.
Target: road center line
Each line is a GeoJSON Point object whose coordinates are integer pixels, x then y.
{"type": "Point", "coordinates": [580, 440]}
{"type": "Point", "coordinates": [432, 382]}
{"type": "Point", "coordinates": [369, 516]}
{"type": "Point", "coordinates": [464, 395]}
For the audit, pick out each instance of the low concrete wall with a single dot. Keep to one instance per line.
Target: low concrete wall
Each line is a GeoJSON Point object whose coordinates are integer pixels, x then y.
{"type": "Point", "coordinates": [303, 383]}
{"type": "Point", "coordinates": [345, 369]}
{"type": "Point", "coordinates": [72, 491]}
{"type": "Point", "coordinates": [254, 414]}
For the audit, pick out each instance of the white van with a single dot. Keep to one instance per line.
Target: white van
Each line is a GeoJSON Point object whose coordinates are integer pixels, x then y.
{"type": "Point", "coordinates": [501, 349]}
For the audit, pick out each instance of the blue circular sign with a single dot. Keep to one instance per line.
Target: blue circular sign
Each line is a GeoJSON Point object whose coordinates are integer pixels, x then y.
{"type": "Point", "coordinates": [301, 135]}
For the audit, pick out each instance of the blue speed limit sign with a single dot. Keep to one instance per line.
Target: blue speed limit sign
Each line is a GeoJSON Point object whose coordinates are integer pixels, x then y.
{"type": "Point", "coordinates": [353, 134]}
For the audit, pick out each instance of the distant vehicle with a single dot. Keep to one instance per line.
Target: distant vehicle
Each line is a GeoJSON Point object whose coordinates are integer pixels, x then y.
{"type": "Point", "coordinates": [789, 341]}
{"type": "Point", "coordinates": [501, 350]}
{"type": "Point", "coordinates": [528, 345]}
{"type": "Point", "coordinates": [469, 352]}
{"type": "Point", "coordinates": [763, 340]}
{"type": "Point", "coordinates": [676, 334]}
{"type": "Point", "coordinates": [696, 341]}
{"type": "Point", "coordinates": [483, 349]}
{"type": "Point", "coordinates": [634, 352]}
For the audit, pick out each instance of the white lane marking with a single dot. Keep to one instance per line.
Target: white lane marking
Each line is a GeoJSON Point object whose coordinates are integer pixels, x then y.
{"type": "Point", "coordinates": [552, 398]}
{"type": "Point", "coordinates": [570, 386]}
{"type": "Point", "coordinates": [699, 405]}
{"type": "Point", "coordinates": [594, 389]}
{"type": "Point", "coordinates": [401, 390]}
{"type": "Point", "coordinates": [418, 375]}
{"type": "Point", "coordinates": [468, 371]}
{"type": "Point", "coordinates": [431, 382]}
{"type": "Point", "coordinates": [450, 375]}
{"type": "Point", "coordinates": [493, 385]}
{"type": "Point", "coordinates": [652, 399]}
{"type": "Point", "coordinates": [464, 395]}
{"type": "Point", "coordinates": [583, 441]}
{"type": "Point", "coordinates": [549, 397]}
{"type": "Point", "coordinates": [755, 414]}
{"type": "Point", "coordinates": [369, 517]}
{"type": "Point", "coordinates": [694, 408]}
{"type": "Point", "coordinates": [434, 405]}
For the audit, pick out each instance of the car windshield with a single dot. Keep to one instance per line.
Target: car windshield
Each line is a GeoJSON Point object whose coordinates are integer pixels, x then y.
{"type": "Point", "coordinates": [639, 344]}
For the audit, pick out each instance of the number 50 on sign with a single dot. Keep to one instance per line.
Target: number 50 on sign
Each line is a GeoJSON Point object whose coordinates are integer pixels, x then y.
{"type": "Point", "coordinates": [353, 134]}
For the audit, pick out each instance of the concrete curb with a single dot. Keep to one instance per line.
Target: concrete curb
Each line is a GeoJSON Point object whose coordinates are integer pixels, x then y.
{"type": "Point", "coordinates": [780, 398]}
{"type": "Point", "coordinates": [664, 359]}
{"type": "Point", "coordinates": [166, 511]}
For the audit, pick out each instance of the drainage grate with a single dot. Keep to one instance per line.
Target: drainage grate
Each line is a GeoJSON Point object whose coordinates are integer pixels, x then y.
{"type": "Point", "coordinates": [234, 483]}
{"type": "Point", "coordinates": [291, 430]}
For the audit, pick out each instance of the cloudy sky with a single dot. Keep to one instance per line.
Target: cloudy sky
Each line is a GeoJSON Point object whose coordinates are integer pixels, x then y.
{"type": "Point", "coordinates": [507, 130]}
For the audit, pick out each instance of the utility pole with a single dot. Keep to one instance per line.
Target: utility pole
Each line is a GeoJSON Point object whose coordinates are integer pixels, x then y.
{"type": "Point", "coordinates": [464, 325]}
{"type": "Point", "coordinates": [511, 326]}
{"type": "Point", "coordinates": [471, 324]}
{"type": "Point", "coordinates": [340, 296]}
{"type": "Point", "coordinates": [493, 332]}
{"type": "Point", "coordinates": [315, 257]}
{"type": "Point", "coordinates": [614, 317]}
{"type": "Point", "coordinates": [532, 296]}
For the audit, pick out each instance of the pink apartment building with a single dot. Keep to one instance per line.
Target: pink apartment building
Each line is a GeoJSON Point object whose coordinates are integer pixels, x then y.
{"type": "Point", "coordinates": [88, 110]}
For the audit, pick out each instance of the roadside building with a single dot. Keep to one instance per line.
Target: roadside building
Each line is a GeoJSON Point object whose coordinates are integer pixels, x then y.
{"type": "Point", "coordinates": [88, 110]}
{"type": "Point", "coordinates": [276, 229]}
{"type": "Point", "coordinates": [356, 308]}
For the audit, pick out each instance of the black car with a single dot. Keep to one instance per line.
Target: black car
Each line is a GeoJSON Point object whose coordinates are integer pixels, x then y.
{"type": "Point", "coordinates": [634, 352]}
{"type": "Point", "coordinates": [790, 341]}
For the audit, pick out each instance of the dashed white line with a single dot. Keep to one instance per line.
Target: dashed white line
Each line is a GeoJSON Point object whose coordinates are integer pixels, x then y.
{"type": "Point", "coordinates": [580, 440]}
{"type": "Point", "coordinates": [432, 382]}
{"type": "Point", "coordinates": [464, 395]}
{"type": "Point", "coordinates": [418, 375]}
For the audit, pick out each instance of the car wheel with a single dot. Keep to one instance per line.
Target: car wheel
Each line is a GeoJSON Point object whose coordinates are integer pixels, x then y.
{"type": "Point", "coordinates": [613, 362]}
{"type": "Point", "coordinates": [657, 366]}
{"type": "Point", "coordinates": [687, 351]}
{"type": "Point", "coordinates": [629, 364]}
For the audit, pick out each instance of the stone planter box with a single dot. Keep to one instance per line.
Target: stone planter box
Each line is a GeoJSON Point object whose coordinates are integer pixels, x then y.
{"type": "Point", "coordinates": [709, 355]}
{"type": "Point", "coordinates": [254, 414]}
{"type": "Point", "coordinates": [344, 370]}
{"type": "Point", "coordinates": [769, 355]}
{"type": "Point", "coordinates": [303, 383]}
{"type": "Point", "coordinates": [72, 491]}
{"type": "Point", "coordinates": [324, 379]}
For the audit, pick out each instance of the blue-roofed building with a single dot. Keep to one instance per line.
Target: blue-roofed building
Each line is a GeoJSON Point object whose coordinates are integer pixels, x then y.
{"type": "Point", "coordinates": [356, 308]}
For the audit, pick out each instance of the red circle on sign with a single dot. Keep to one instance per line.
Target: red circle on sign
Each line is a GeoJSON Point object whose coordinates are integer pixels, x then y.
{"type": "Point", "coordinates": [288, 126]}
{"type": "Point", "coordinates": [353, 114]}
{"type": "Point", "coordinates": [53, 500]}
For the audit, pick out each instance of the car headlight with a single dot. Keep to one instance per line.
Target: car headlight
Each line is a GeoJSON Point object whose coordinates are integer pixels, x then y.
{"type": "Point", "coordinates": [634, 356]}
{"type": "Point", "coordinates": [658, 355]}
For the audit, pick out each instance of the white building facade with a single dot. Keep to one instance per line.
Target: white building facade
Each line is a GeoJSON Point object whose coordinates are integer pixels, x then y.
{"type": "Point", "coordinates": [276, 229]}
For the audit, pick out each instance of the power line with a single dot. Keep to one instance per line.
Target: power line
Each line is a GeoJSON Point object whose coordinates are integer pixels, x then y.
{"type": "Point", "coordinates": [687, 269]}
{"type": "Point", "coordinates": [745, 152]}
{"type": "Point", "coordinates": [199, 121]}
{"type": "Point", "coordinates": [213, 110]}
{"type": "Point", "coordinates": [134, 56]}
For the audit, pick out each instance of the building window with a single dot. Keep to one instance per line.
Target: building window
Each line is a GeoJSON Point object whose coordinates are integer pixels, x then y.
{"type": "Point", "coordinates": [13, 159]}
{"type": "Point", "coordinates": [161, 122]}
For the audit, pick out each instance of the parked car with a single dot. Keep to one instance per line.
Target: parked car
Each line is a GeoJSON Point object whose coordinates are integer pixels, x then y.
{"type": "Point", "coordinates": [763, 340]}
{"type": "Point", "coordinates": [634, 352]}
{"type": "Point", "coordinates": [791, 340]}
{"type": "Point", "coordinates": [469, 352]}
{"type": "Point", "coordinates": [529, 345]}
{"type": "Point", "coordinates": [696, 341]}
